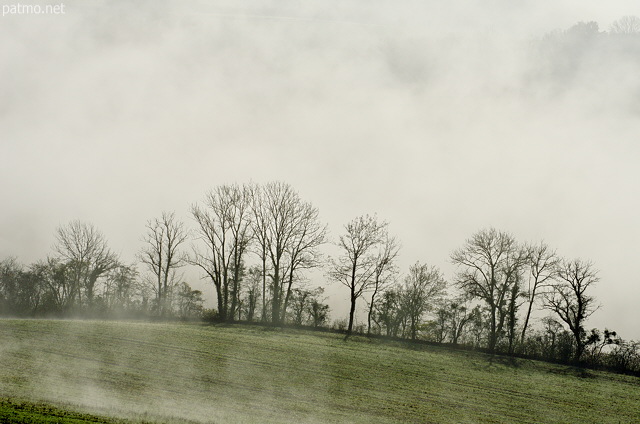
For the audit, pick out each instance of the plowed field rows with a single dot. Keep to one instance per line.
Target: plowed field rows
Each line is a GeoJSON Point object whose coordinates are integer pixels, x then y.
{"type": "Point", "coordinates": [238, 374]}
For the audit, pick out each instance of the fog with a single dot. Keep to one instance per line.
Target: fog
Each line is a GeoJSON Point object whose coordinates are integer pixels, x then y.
{"type": "Point", "coordinates": [441, 119]}
{"type": "Point", "coordinates": [151, 373]}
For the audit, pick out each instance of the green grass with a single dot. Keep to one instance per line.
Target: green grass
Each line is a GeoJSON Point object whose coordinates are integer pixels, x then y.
{"type": "Point", "coordinates": [24, 412]}
{"type": "Point", "coordinates": [239, 374]}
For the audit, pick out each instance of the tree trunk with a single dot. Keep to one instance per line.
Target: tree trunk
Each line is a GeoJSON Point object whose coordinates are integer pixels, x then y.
{"type": "Point", "coordinates": [264, 286]}
{"type": "Point", "coordinates": [373, 297]}
{"type": "Point", "coordinates": [352, 311]}
{"type": "Point", "coordinates": [287, 295]}
{"type": "Point", "coordinates": [275, 307]}
{"type": "Point", "coordinates": [235, 295]}
{"type": "Point", "coordinates": [526, 319]}
{"type": "Point", "coordinates": [492, 331]}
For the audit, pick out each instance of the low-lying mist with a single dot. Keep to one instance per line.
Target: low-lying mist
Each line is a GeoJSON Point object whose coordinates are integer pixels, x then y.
{"type": "Point", "coordinates": [149, 372]}
{"type": "Point", "coordinates": [442, 119]}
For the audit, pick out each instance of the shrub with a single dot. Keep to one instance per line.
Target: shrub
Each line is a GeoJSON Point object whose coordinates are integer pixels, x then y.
{"type": "Point", "coordinates": [210, 315]}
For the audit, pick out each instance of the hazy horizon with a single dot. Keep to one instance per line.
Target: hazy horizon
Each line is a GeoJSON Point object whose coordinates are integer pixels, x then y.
{"type": "Point", "coordinates": [441, 119]}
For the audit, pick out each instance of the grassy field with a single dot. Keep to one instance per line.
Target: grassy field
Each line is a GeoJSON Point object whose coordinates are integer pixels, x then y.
{"type": "Point", "coordinates": [24, 412]}
{"type": "Point", "coordinates": [145, 372]}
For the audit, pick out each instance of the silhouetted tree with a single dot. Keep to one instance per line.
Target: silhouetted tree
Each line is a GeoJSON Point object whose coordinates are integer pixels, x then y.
{"type": "Point", "coordinates": [355, 267]}
{"type": "Point", "coordinates": [543, 264]}
{"type": "Point", "coordinates": [298, 305]}
{"type": "Point", "coordinates": [303, 252]}
{"type": "Point", "coordinates": [10, 271]}
{"type": "Point", "coordinates": [84, 249]}
{"type": "Point", "coordinates": [54, 277]}
{"type": "Point", "coordinates": [421, 290]}
{"type": "Point", "coordinates": [189, 301]}
{"type": "Point", "coordinates": [288, 233]}
{"type": "Point", "coordinates": [384, 271]}
{"type": "Point", "coordinates": [570, 301]}
{"type": "Point", "coordinates": [302, 305]}
{"type": "Point", "coordinates": [388, 311]}
{"type": "Point", "coordinates": [162, 255]}
{"type": "Point", "coordinates": [262, 234]}
{"type": "Point", "coordinates": [596, 342]}
{"type": "Point", "coordinates": [225, 227]}
{"type": "Point", "coordinates": [625, 356]}
{"type": "Point", "coordinates": [21, 288]}
{"type": "Point", "coordinates": [319, 312]}
{"type": "Point", "coordinates": [490, 266]}
{"type": "Point", "coordinates": [121, 287]}
{"type": "Point", "coordinates": [454, 315]}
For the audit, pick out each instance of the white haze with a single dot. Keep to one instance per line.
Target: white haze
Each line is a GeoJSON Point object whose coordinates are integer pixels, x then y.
{"type": "Point", "coordinates": [427, 113]}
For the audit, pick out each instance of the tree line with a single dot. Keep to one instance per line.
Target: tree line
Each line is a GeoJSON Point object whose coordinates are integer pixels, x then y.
{"type": "Point", "coordinates": [583, 51]}
{"type": "Point", "coordinates": [252, 242]}
{"type": "Point", "coordinates": [256, 244]}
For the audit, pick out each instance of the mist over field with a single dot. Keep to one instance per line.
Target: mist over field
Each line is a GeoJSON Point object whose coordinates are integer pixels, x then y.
{"type": "Point", "coordinates": [176, 373]}
{"type": "Point", "coordinates": [441, 118]}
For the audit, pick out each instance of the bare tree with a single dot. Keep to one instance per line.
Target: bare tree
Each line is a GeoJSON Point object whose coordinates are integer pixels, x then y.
{"type": "Point", "coordinates": [162, 255]}
{"type": "Point", "coordinates": [120, 287]}
{"type": "Point", "coordinates": [56, 279]}
{"type": "Point", "coordinates": [356, 266]}
{"type": "Point", "coordinates": [491, 263]}
{"type": "Point", "coordinates": [626, 25]}
{"type": "Point", "coordinates": [309, 233]}
{"type": "Point", "coordinates": [87, 255]}
{"type": "Point", "coordinates": [261, 233]}
{"type": "Point", "coordinates": [552, 331]}
{"type": "Point", "coordinates": [422, 288]}
{"type": "Point", "coordinates": [383, 272]}
{"type": "Point", "coordinates": [288, 233]}
{"type": "Point", "coordinates": [21, 289]}
{"type": "Point", "coordinates": [10, 272]}
{"type": "Point", "coordinates": [570, 301]}
{"type": "Point", "coordinates": [543, 264]}
{"type": "Point", "coordinates": [225, 227]}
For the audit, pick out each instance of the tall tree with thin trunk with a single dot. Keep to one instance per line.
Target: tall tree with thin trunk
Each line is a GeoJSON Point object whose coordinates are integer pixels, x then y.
{"type": "Point", "coordinates": [261, 234]}
{"type": "Point", "coordinates": [225, 228]}
{"type": "Point", "coordinates": [423, 287]}
{"type": "Point", "coordinates": [490, 265]}
{"type": "Point", "coordinates": [85, 251]}
{"type": "Point", "coordinates": [163, 256]}
{"type": "Point", "coordinates": [302, 252]}
{"type": "Point", "coordinates": [384, 272]}
{"type": "Point", "coordinates": [543, 263]}
{"type": "Point", "coordinates": [355, 267]}
{"type": "Point", "coordinates": [288, 233]}
{"type": "Point", "coordinates": [570, 301]}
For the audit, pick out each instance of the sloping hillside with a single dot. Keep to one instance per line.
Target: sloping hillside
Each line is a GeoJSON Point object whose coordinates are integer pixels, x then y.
{"type": "Point", "coordinates": [238, 374]}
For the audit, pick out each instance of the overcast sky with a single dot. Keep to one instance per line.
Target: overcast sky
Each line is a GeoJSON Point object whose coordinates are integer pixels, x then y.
{"type": "Point", "coordinates": [433, 115]}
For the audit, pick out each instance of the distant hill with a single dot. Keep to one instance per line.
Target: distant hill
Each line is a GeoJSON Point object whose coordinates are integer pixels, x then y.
{"type": "Point", "coordinates": [145, 372]}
